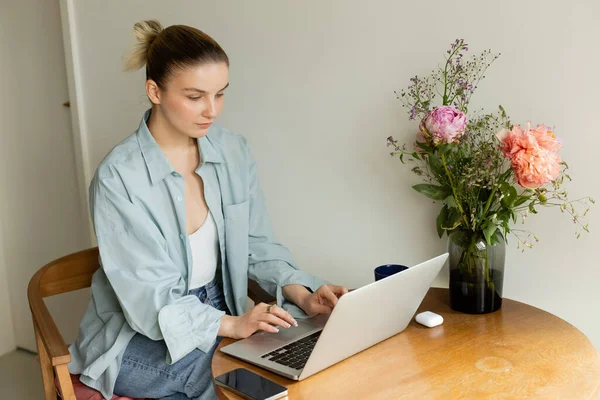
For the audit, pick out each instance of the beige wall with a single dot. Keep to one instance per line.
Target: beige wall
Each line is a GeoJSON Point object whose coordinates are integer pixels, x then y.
{"type": "Point", "coordinates": [312, 89]}
{"type": "Point", "coordinates": [7, 334]}
{"type": "Point", "coordinates": [40, 213]}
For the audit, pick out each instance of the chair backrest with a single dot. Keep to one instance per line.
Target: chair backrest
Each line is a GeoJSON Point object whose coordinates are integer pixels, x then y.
{"type": "Point", "coordinates": [69, 273]}
{"type": "Point", "coordinates": [63, 275]}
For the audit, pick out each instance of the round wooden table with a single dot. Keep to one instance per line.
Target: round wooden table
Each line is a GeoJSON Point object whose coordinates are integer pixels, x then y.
{"type": "Point", "coordinates": [517, 352]}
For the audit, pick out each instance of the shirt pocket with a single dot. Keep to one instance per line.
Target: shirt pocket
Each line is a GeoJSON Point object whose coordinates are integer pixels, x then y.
{"type": "Point", "coordinates": [237, 225]}
{"type": "Point", "coordinates": [238, 211]}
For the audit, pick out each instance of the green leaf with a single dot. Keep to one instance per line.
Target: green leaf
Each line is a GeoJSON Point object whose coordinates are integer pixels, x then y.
{"type": "Point", "coordinates": [510, 194]}
{"type": "Point", "coordinates": [432, 191]}
{"type": "Point", "coordinates": [453, 219]}
{"type": "Point", "coordinates": [504, 216]}
{"type": "Point", "coordinates": [531, 208]}
{"type": "Point", "coordinates": [424, 147]}
{"type": "Point", "coordinates": [450, 202]}
{"type": "Point", "coordinates": [444, 148]}
{"type": "Point", "coordinates": [503, 111]}
{"type": "Point", "coordinates": [489, 231]}
{"type": "Point", "coordinates": [440, 220]}
{"type": "Point", "coordinates": [436, 166]}
{"type": "Point", "coordinates": [497, 237]}
{"type": "Point", "coordinates": [500, 236]}
{"type": "Point", "coordinates": [521, 200]}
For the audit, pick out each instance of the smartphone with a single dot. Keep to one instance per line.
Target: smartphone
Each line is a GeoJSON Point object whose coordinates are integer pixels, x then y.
{"type": "Point", "coordinates": [249, 385]}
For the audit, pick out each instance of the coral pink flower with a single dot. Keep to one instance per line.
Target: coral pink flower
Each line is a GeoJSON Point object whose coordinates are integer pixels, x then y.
{"type": "Point", "coordinates": [545, 138]}
{"type": "Point", "coordinates": [533, 154]}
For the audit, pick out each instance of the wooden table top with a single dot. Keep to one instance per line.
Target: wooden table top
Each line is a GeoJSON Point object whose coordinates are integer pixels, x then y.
{"type": "Point", "coordinates": [517, 352]}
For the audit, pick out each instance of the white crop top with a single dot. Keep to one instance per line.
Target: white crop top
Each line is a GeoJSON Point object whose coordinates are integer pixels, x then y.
{"type": "Point", "coordinates": [205, 253]}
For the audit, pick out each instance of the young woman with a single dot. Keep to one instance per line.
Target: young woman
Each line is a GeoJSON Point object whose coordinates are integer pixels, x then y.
{"type": "Point", "coordinates": [181, 225]}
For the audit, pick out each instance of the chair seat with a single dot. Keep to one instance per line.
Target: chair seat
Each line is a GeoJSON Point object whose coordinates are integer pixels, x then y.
{"type": "Point", "coordinates": [83, 392]}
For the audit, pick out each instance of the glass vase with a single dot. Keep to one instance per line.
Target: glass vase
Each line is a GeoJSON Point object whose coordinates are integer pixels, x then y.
{"type": "Point", "coordinates": [476, 272]}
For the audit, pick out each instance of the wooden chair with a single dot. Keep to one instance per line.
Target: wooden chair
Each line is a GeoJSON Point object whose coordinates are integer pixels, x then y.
{"type": "Point", "coordinates": [63, 275]}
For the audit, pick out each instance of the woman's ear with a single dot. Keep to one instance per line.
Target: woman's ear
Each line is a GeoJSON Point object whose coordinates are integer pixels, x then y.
{"type": "Point", "coordinates": [153, 91]}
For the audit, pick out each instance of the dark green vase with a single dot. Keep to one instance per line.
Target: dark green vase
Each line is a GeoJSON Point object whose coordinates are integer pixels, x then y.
{"type": "Point", "coordinates": [476, 272]}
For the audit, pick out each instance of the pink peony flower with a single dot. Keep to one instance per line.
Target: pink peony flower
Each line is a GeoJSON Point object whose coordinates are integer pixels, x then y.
{"type": "Point", "coordinates": [444, 124]}
{"type": "Point", "coordinates": [533, 154]}
{"type": "Point", "coordinates": [420, 138]}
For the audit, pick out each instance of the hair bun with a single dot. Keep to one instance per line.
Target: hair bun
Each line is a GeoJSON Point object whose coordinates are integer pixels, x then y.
{"type": "Point", "coordinates": [145, 32]}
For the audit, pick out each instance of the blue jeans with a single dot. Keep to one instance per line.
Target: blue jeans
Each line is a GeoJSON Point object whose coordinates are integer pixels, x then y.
{"type": "Point", "coordinates": [145, 374]}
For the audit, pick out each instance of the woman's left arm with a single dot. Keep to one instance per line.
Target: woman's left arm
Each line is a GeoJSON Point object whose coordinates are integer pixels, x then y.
{"type": "Point", "coordinates": [269, 262]}
{"type": "Point", "coordinates": [320, 302]}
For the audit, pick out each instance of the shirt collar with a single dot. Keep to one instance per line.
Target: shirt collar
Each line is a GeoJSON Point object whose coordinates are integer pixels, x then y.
{"type": "Point", "coordinates": [208, 152]}
{"type": "Point", "coordinates": [156, 161]}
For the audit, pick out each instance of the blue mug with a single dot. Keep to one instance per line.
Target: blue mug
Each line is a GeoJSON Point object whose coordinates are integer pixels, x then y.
{"type": "Point", "coordinates": [383, 271]}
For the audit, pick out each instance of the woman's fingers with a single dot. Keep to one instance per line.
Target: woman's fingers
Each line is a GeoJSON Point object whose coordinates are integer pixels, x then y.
{"type": "Point", "coordinates": [282, 314]}
{"type": "Point", "coordinates": [266, 327]}
{"type": "Point", "coordinates": [274, 320]}
{"type": "Point", "coordinates": [265, 316]}
{"type": "Point", "coordinates": [328, 295]}
{"type": "Point", "coordinates": [339, 291]}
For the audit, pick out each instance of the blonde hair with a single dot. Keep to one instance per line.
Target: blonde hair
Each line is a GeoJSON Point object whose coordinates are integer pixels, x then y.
{"type": "Point", "coordinates": [145, 33]}
{"type": "Point", "coordinates": [164, 51]}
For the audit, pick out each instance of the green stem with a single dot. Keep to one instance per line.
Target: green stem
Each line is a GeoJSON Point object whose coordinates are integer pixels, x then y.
{"type": "Point", "coordinates": [445, 85]}
{"type": "Point", "coordinates": [445, 99]}
{"type": "Point", "coordinates": [462, 212]}
{"type": "Point", "coordinates": [488, 203]}
{"type": "Point", "coordinates": [471, 253]}
{"type": "Point", "coordinates": [469, 258]}
{"type": "Point", "coordinates": [488, 280]}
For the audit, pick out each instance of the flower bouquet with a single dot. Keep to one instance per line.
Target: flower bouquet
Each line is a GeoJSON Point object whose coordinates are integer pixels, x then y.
{"type": "Point", "coordinates": [486, 172]}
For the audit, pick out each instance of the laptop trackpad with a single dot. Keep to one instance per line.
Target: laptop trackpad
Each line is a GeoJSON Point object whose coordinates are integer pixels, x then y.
{"type": "Point", "coordinates": [304, 326]}
{"type": "Point", "coordinates": [262, 340]}
{"type": "Point", "coordinates": [317, 321]}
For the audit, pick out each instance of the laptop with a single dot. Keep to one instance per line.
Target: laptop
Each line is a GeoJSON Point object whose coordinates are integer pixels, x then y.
{"type": "Point", "coordinates": [361, 319]}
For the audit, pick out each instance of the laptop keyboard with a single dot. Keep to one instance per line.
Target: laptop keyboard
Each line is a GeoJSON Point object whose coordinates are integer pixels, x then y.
{"type": "Point", "coordinates": [295, 354]}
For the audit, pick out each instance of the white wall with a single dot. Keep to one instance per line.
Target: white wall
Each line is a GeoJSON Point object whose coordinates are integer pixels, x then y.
{"type": "Point", "coordinates": [312, 89]}
{"type": "Point", "coordinates": [40, 213]}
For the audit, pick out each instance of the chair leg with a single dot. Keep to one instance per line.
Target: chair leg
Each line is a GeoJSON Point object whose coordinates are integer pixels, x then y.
{"type": "Point", "coordinates": [46, 367]}
{"type": "Point", "coordinates": [64, 380]}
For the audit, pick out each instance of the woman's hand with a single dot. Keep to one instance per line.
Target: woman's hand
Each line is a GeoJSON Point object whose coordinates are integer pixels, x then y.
{"type": "Point", "coordinates": [323, 300]}
{"type": "Point", "coordinates": [260, 317]}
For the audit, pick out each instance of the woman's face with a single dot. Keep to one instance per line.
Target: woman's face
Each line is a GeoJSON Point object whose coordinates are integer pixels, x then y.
{"type": "Point", "coordinates": [193, 98]}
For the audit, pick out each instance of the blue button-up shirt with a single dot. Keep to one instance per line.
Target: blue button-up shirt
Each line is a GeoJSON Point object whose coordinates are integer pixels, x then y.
{"type": "Point", "coordinates": [138, 210]}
